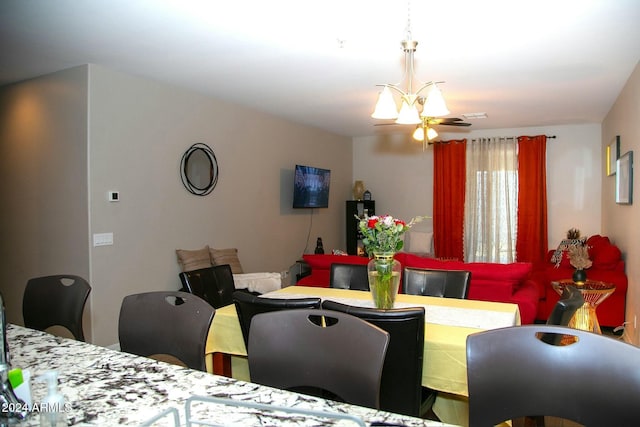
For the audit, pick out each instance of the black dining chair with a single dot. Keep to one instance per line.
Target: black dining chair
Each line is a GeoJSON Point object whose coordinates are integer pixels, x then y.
{"type": "Point", "coordinates": [56, 300]}
{"type": "Point", "coordinates": [570, 301]}
{"type": "Point", "coordinates": [319, 352]}
{"type": "Point", "coordinates": [400, 388]}
{"type": "Point", "coordinates": [249, 305]}
{"type": "Point", "coordinates": [436, 283]}
{"type": "Point", "coordinates": [349, 276]}
{"type": "Point", "coordinates": [166, 323]}
{"type": "Point", "coordinates": [213, 284]}
{"type": "Point", "coordinates": [512, 373]}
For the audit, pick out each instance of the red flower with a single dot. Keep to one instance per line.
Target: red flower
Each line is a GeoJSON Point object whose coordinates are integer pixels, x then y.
{"type": "Point", "coordinates": [400, 222]}
{"type": "Point", "coordinates": [372, 222]}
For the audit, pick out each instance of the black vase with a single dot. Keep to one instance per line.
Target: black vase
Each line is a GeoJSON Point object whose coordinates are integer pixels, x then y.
{"type": "Point", "coordinates": [579, 276]}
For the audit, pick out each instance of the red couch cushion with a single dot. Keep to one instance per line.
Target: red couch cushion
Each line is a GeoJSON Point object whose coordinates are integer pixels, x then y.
{"type": "Point", "coordinates": [603, 254]}
{"type": "Point", "coordinates": [489, 281]}
{"type": "Point", "coordinates": [595, 243]}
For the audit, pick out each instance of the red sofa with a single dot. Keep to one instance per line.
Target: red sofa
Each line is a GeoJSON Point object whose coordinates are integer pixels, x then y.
{"type": "Point", "coordinates": [607, 266]}
{"type": "Point", "coordinates": [489, 281]}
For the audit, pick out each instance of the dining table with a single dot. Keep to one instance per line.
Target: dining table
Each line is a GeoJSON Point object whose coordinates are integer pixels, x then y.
{"type": "Point", "coordinates": [106, 387]}
{"type": "Point", "coordinates": [448, 322]}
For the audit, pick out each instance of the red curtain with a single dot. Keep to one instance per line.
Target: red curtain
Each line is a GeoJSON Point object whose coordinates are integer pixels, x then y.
{"type": "Point", "coordinates": [531, 240]}
{"type": "Point", "coordinates": [449, 177]}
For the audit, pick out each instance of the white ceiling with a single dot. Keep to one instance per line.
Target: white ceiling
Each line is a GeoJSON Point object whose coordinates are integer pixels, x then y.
{"type": "Point", "coordinates": [524, 63]}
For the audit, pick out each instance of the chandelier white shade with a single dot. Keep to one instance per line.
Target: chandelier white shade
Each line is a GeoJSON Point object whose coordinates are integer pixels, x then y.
{"type": "Point", "coordinates": [418, 134]}
{"type": "Point", "coordinates": [386, 108]}
{"type": "Point", "coordinates": [433, 105]}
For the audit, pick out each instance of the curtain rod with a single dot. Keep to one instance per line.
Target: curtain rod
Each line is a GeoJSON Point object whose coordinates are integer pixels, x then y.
{"type": "Point", "coordinates": [548, 136]}
{"type": "Point", "coordinates": [512, 137]}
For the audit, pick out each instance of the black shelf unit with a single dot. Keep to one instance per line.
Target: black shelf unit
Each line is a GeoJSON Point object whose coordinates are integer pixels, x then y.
{"type": "Point", "coordinates": [354, 238]}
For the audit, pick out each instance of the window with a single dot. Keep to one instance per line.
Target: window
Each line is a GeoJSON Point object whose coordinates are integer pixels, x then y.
{"type": "Point", "coordinates": [491, 200]}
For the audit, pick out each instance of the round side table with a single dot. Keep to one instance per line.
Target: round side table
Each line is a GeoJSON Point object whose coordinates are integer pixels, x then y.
{"type": "Point", "coordinates": [593, 292]}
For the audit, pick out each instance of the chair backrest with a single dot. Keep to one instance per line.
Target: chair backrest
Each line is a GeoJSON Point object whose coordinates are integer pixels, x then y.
{"type": "Point", "coordinates": [570, 301]}
{"type": "Point", "coordinates": [349, 276]}
{"type": "Point", "coordinates": [512, 373]}
{"type": "Point", "coordinates": [213, 284]}
{"type": "Point", "coordinates": [171, 323]}
{"type": "Point", "coordinates": [248, 305]}
{"type": "Point", "coordinates": [55, 300]}
{"type": "Point", "coordinates": [311, 349]}
{"type": "Point", "coordinates": [401, 385]}
{"type": "Point", "coordinates": [436, 283]}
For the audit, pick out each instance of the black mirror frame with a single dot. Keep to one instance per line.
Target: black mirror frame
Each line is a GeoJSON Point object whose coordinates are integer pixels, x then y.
{"type": "Point", "coordinates": [214, 171]}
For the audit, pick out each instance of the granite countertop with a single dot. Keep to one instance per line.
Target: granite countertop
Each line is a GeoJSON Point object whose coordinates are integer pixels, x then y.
{"type": "Point", "coordinates": [105, 387]}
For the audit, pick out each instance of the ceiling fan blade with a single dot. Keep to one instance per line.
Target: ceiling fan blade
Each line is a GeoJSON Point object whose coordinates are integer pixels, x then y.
{"type": "Point", "coordinates": [437, 121]}
{"type": "Point", "coordinates": [453, 124]}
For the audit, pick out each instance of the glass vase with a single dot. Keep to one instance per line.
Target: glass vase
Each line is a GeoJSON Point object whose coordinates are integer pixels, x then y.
{"type": "Point", "coordinates": [384, 279]}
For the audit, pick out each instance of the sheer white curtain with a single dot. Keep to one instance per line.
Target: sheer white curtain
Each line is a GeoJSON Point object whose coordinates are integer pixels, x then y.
{"type": "Point", "coordinates": [491, 200]}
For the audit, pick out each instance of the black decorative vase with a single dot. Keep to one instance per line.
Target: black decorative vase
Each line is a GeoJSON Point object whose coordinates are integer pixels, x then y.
{"type": "Point", "coordinates": [579, 276]}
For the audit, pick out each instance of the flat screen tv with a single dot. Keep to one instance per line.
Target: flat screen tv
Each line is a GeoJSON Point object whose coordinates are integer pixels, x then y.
{"type": "Point", "coordinates": [311, 187]}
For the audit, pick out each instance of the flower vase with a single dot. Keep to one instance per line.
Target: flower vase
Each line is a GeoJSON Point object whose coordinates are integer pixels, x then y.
{"type": "Point", "coordinates": [579, 276]}
{"type": "Point", "coordinates": [384, 279]}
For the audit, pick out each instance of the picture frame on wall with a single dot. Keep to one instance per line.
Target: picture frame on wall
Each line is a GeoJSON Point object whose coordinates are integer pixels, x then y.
{"type": "Point", "coordinates": [624, 179]}
{"type": "Point", "coordinates": [613, 153]}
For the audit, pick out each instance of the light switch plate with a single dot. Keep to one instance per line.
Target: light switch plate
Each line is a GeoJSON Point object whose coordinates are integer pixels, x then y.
{"type": "Point", "coordinates": [103, 239]}
{"type": "Point", "coordinates": [113, 196]}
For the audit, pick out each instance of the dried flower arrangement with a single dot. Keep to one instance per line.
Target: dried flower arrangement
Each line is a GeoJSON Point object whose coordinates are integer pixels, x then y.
{"type": "Point", "coordinates": [579, 257]}
{"type": "Point", "coordinates": [573, 233]}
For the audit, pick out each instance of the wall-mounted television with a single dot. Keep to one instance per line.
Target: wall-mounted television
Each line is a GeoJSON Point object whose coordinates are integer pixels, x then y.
{"type": "Point", "coordinates": [311, 187]}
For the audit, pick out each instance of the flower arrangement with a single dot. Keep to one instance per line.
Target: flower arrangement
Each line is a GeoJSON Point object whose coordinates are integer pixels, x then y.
{"type": "Point", "coordinates": [384, 233]}
{"type": "Point", "coordinates": [579, 257]}
{"type": "Point", "coordinates": [573, 233]}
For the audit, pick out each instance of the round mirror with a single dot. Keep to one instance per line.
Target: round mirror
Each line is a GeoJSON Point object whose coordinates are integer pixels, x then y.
{"type": "Point", "coordinates": [199, 169]}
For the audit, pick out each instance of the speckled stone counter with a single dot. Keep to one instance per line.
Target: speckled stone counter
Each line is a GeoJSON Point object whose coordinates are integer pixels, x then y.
{"type": "Point", "coordinates": [106, 388]}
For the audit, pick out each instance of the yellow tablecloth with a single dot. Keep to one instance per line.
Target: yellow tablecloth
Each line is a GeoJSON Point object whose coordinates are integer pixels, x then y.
{"type": "Point", "coordinates": [445, 361]}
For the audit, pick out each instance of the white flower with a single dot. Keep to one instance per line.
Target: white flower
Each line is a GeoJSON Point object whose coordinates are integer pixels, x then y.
{"type": "Point", "coordinates": [388, 221]}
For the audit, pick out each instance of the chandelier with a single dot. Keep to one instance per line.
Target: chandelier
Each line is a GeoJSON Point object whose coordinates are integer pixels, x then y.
{"type": "Point", "coordinates": [414, 108]}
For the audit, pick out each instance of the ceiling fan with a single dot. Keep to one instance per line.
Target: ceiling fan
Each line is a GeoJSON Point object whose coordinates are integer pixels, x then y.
{"type": "Point", "coordinates": [432, 121]}
{"type": "Point", "coordinates": [426, 127]}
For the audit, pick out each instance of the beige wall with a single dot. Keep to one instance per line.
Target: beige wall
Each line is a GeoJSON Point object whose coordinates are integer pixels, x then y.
{"type": "Point", "coordinates": [138, 130]}
{"type": "Point", "coordinates": [404, 188]}
{"type": "Point", "coordinates": [43, 183]}
{"type": "Point", "coordinates": [619, 221]}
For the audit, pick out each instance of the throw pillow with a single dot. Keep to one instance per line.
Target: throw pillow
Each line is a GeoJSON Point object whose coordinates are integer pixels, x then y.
{"type": "Point", "coordinates": [418, 242]}
{"type": "Point", "coordinates": [563, 248]}
{"type": "Point", "coordinates": [595, 243]}
{"type": "Point", "coordinates": [226, 256]}
{"type": "Point", "coordinates": [190, 260]}
{"type": "Point", "coordinates": [608, 257]}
